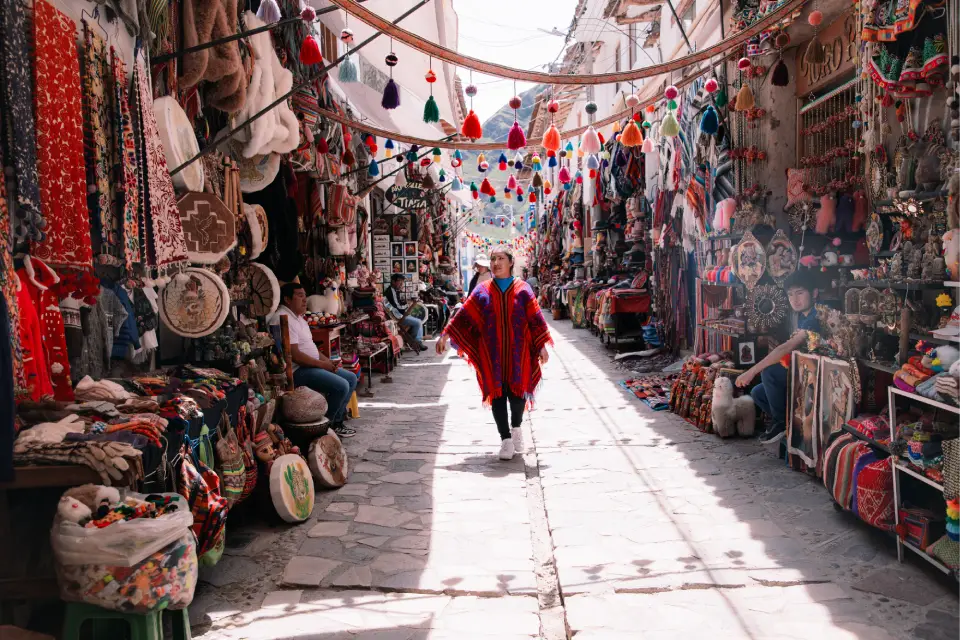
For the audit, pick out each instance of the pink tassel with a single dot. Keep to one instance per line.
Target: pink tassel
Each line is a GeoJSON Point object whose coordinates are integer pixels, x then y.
{"type": "Point", "coordinates": [516, 139]}
{"type": "Point", "coordinates": [827, 216]}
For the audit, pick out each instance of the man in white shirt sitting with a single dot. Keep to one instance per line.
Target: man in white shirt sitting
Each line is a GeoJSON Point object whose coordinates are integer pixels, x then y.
{"type": "Point", "coordinates": [310, 367]}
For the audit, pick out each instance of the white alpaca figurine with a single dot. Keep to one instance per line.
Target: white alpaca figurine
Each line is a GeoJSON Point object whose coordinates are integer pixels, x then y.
{"type": "Point", "coordinates": [329, 302]}
{"type": "Point", "coordinates": [731, 415]}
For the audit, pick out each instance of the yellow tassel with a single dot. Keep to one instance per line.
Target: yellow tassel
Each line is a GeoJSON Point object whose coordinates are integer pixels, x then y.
{"type": "Point", "coordinates": [745, 99]}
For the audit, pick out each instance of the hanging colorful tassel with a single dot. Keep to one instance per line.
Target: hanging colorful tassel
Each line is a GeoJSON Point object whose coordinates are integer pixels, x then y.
{"type": "Point", "coordinates": [745, 99]}
{"type": "Point", "coordinates": [535, 163]}
{"type": "Point", "coordinates": [547, 187]}
{"type": "Point", "coordinates": [518, 161]}
{"type": "Point", "coordinates": [373, 169]}
{"type": "Point", "coordinates": [780, 76]}
{"type": "Point", "coordinates": [401, 180]}
{"type": "Point", "coordinates": [431, 111]}
{"type": "Point", "coordinates": [631, 135]}
{"type": "Point", "coordinates": [710, 122]}
{"type": "Point", "coordinates": [564, 175]}
{"type": "Point", "coordinates": [310, 51]}
{"type": "Point", "coordinates": [590, 144]}
{"type": "Point", "coordinates": [471, 126]}
{"type": "Point", "coordinates": [669, 127]}
{"type": "Point", "coordinates": [347, 71]}
{"type": "Point", "coordinates": [537, 181]}
{"type": "Point", "coordinates": [551, 138]}
{"type": "Point", "coordinates": [437, 155]}
{"type": "Point", "coordinates": [516, 138]}
{"type": "Point", "coordinates": [815, 53]}
{"type": "Point", "coordinates": [512, 183]}
{"type": "Point", "coordinates": [507, 193]}
{"type": "Point", "coordinates": [486, 188]}
{"type": "Point", "coordinates": [323, 147]}
{"type": "Point", "coordinates": [388, 148]}
{"type": "Point", "coordinates": [578, 177]}
{"type": "Point", "coordinates": [391, 95]}
{"type": "Point", "coordinates": [457, 184]}
{"type": "Point", "coordinates": [269, 12]}
{"type": "Point", "coordinates": [442, 176]}
{"type": "Point", "coordinates": [647, 146]}
{"type": "Point", "coordinates": [502, 162]}
{"type": "Point", "coordinates": [531, 195]}
{"type": "Point", "coordinates": [348, 157]}
{"type": "Point", "coordinates": [552, 161]}
{"type": "Point", "coordinates": [592, 163]}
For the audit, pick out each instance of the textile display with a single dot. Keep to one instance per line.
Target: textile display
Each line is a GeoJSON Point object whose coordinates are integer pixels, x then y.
{"type": "Point", "coordinates": [629, 301]}
{"type": "Point", "coordinates": [38, 279]}
{"type": "Point", "coordinates": [36, 373]}
{"type": "Point", "coordinates": [129, 205]}
{"type": "Point", "coordinates": [60, 161]}
{"type": "Point", "coordinates": [95, 72]}
{"type": "Point", "coordinates": [831, 459]}
{"type": "Point", "coordinates": [9, 283]}
{"type": "Point", "coordinates": [875, 495]}
{"type": "Point", "coordinates": [166, 249]}
{"type": "Point", "coordinates": [17, 103]}
{"type": "Point", "coordinates": [653, 391]}
{"type": "Point", "coordinates": [501, 333]}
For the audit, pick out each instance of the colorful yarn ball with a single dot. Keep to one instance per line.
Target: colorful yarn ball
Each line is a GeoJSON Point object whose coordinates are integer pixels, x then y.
{"type": "Point", "coordinates": [711, 85]}
{"type": "Point", "coordinates": [391, 59]}
{"type": "Point", "coordinates": [471, 90]}
{"type": "Point", "coordinates": [515, 102]}
{"type": "Point", "coordinates": [815, 18]}
{"type": "Point", "coordinates": [590, 108]}
{"type": "Point", "coordinates": [553, 106]}
{"type": "Point", "coordinates": [743, 64]}
{"type": "Point", "coordinates": [346, 35]}
{"type": "Point", "coordinates": [671, 93]}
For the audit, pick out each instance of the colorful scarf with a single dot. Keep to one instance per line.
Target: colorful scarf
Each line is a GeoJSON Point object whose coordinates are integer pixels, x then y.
{"type": "Point", "coordinates": [125, 149]}
{"type": "Point", "coordinates": [59, 111]}
{"type": "Point", "coordinates": [501, 334]}
{"type": "Point", "coordinates": [166, 248]}
{"type": "Point", "coordinates": [96, 140]}
{"type": "Point", "coordinates": [17, 105]}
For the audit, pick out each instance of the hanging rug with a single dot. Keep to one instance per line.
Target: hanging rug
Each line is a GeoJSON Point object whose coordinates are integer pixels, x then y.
{"type": "Point", "coordinates": [265, 293]}
{"type": "Point", "coordinates": [179, 143]}
{"type": "Point", "coordinates": [328, 461]}
{"type": "Point", "coordinates": [291, 488]}
{"type": "Point", "coordinates": [195, 303]}
{"type": "Point", "coordinates": [209, 227]}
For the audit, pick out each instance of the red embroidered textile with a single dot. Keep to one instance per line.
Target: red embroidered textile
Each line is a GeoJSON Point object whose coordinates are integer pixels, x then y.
{"type": "Point", "coordinates": [31, 340]}
{"type": "Point", "coordinates": [63, 178]}
{"type": "Point", "coordinates": [501, 334]}
{"type": "Point", "coordinates": [47, 306]}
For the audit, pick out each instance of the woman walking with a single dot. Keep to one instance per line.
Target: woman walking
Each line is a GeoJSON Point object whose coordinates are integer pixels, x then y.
{"type": "Point", "coordinates": [501, 331]}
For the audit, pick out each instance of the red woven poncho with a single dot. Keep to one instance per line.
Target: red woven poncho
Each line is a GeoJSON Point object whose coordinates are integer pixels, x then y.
{"type": "Point", "coordinates": [501, 333]}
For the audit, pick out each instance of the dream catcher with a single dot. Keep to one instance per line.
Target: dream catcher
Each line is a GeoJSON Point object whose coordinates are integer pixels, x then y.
{"type": "Point", "coordinates": [766, 307]}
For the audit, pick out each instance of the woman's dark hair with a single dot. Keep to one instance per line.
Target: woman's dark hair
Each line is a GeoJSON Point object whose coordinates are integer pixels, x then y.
{"type": "Point", "coordinates": [288, 290]}
{"type": "Point", "coordinates": [397, 277]}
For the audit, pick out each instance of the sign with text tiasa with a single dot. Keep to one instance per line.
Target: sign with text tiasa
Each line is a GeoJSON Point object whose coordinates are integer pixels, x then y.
{"type": "Point", "coordinates": [409, 196]}
{"type": "Point", "coordinates": [839, 42]}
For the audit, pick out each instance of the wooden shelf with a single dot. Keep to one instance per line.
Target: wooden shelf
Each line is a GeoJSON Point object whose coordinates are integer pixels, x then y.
{"type": "Point", "coordinates": [38, 476]}
{"type": "Point", "coordinates": [919, 476]}
{"type": "Point", "coordinates": [886, 284]}
{"type": "Point", "coordinates": [923, 554]}
{"type": "Point", "coordinates": [879, 366]}
{"type": "Point", "coordinates": [933, 403]}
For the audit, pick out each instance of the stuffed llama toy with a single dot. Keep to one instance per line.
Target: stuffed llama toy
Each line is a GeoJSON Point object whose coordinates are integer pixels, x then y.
{"type": "Point", "coordinates": [329, 302]}
{"type": "Point", "coordinates": [731, 416]}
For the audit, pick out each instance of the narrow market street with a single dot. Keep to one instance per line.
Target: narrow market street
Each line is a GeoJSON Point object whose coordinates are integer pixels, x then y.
{"type": "Point", "coordinates": [621, 522]}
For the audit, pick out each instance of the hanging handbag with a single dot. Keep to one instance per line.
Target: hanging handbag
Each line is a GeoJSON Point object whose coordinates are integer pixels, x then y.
{"type": "Point", "coordinates": [201, 488]}
{"type": "Point", "coordinates": [342, 207]}
{"type": "Point", "coordinates": [246, 426]}
{"type": "Point", "coordinates": [231, 468]}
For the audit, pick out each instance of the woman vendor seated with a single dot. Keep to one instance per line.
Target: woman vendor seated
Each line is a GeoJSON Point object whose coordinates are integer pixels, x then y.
{"type": "Point", "coordinates": [310, 367]}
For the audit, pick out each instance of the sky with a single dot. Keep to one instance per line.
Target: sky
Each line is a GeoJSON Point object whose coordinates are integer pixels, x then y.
{"type": "Point", "coordinates": [506, 32]}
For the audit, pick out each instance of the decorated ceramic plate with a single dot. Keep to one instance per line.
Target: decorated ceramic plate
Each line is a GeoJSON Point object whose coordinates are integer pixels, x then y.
{"type": "Point", "coordinates": [291, 488]}
{"type": "Point", "coordinates": [265, 290]}
{"type": "Point", "coordinates": [328, 461]}
{"type": "Point", "coordinates": [749, 260]}
{"type": "Point", "coordinates": [195, 303]}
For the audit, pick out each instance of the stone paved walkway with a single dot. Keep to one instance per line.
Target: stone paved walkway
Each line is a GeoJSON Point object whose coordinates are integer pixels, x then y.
{"type": "Point", "coordinates": [618, 523]}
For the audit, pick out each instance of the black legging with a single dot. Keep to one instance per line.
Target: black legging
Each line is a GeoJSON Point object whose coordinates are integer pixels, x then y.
{"type": "Point", "coordinates": [517, 406]}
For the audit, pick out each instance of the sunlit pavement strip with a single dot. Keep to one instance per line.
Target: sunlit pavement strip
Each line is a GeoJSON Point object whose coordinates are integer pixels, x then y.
{"type": "Point", "coordinates": [652, 530]}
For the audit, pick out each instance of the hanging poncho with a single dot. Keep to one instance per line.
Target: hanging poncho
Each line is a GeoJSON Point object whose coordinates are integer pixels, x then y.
{"type": "Point", "coordinates": [501, 333]}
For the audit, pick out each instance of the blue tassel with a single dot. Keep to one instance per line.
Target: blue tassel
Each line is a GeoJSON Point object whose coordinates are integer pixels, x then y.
{"type": "Point", "coordinates": [552, 161]}
{"type": "Point", "coordinates": [347, 70]}
{"type": "Point", "coordinates": [373, 169]}
{"type": "Point", "coordinates": [592, 162]}
{"type": "Point", "coordinates": [710, 122]}
{"type": "Point", "coordinates": [391, 95]}
{"type": "Point", "coordinates": [457, 184]}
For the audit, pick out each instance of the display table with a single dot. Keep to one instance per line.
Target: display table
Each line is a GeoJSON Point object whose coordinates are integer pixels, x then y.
{"type": "Point", "coordinates": [327, 340]}
{"type": "Point", "coordinates": [380, 357]}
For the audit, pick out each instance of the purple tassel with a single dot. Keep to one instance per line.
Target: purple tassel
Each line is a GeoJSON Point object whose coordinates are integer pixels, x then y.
{"type": "Point", "coordinates": [391, 95]}
{"type": "Point", "coordinates": [516, 139]}
{"type": "Point", "coordinates": [269, 12]}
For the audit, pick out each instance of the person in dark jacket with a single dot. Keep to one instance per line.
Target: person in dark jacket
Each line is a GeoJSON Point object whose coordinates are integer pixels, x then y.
{"type": "Point", "coordinates": [481, 272]}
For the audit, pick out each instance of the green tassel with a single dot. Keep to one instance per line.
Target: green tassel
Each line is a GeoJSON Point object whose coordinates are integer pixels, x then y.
{"type": "Point", "coordinates": [721, 99]}
{"type": "Point", "coordinates": [431, 112]}
{"type": "Point", "coordinates": [348, 70]}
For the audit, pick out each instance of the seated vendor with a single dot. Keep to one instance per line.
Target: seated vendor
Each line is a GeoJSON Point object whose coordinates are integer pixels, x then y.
{"type": "Point", "coordinates": [771, 394]}
{"type": "Point", "coordinates": [310, 367]}
{"type": "Point", "coordinates": [397, 308]}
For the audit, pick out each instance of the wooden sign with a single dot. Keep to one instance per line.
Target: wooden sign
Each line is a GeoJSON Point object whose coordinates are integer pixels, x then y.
{"type": "Point", "coordinates": [840, 48]}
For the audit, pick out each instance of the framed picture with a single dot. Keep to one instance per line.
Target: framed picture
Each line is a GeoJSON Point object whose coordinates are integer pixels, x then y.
{"type": "Point", "coordinates": [837, 397]}
{"type": "Point", "coordinates": [802, 419]}
{"type": "Point", "coordinates": [397, 266]}
{"type": "Point", "coordinates": [747, 353]}
{"type": "Point", "coordinates": [410, 249]}
{"type": "Point", "coordinates": [402, 227]}
{"type": "Point", "coordinates": [412, 266]}
{"type": "Point", "coordinates": [396, 249]}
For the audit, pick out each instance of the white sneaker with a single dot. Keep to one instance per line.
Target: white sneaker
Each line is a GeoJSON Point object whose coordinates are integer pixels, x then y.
{"type": "Point", "coordinates": [516, 434]}
{"type": "Point", "coordinates": [506, 450]}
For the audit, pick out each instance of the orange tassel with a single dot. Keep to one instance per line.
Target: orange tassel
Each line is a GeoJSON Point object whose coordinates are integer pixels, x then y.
{"type": "Point", "coordinates": [551, 139]}
{"type": "Point", "coordinates": [631, 136]}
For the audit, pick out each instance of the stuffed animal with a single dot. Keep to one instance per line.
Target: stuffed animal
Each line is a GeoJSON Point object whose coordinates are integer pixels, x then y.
{"type": "Point", "coordinates": [93, 495]}
{"type": "Point", "coordinates": [338, 242]}
{"type": "Point", "coordinates": [723, 214]}
{"type": "Point", "coordinates": [951, 252]}
{"type": "Point", "coordinates": [731, 416]}
{"type": "Point", "coordinates": [827, 215]}
{"type": "Point", "coordinates": [941, 359]}
{"type": "Point", "coordinates": [329, 302]}
{"type": "Point", "coordinates": [72, 510]}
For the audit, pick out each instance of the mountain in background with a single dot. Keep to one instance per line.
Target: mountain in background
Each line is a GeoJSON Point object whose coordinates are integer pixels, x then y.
{"type": "Point", "coordinates": [496, 128]}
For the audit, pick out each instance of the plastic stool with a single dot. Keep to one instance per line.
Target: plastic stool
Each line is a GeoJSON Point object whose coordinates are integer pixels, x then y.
{"type": "Point", "coordinates": [353, 407]}
{"type": "Point", "coordinates": [146, 626]}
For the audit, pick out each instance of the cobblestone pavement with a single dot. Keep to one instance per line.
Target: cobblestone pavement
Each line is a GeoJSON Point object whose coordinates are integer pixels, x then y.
{"type": "Point", "coordinates": [617, 523]}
